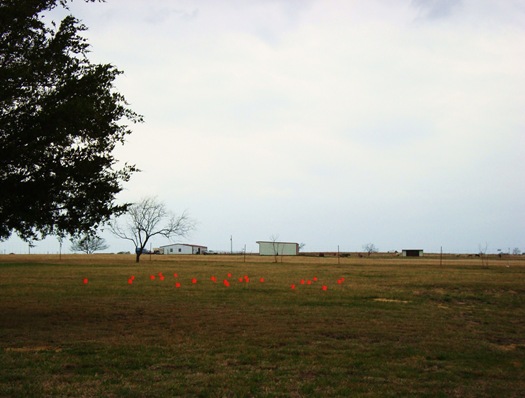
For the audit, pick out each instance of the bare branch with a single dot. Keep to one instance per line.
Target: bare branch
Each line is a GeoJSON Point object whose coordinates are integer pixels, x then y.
{"type": "Point", "coordinates": [148, 218]}
{"type": "Point", "coordinates": [88, 244]}
{"type": "Point", "coordinates": [370, 248]}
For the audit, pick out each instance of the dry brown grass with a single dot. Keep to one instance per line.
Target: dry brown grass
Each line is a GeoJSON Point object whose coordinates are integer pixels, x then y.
{"type": "Point", "coordinates": [376, 259]}
{"type": "Point", "coordinates": [395, 327]}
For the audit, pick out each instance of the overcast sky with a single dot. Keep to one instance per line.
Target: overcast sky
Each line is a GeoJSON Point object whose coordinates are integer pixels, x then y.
{"type": "Point", "coordinates": [396, 122]}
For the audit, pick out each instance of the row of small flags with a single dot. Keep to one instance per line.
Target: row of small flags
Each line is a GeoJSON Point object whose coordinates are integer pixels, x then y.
{"type": "Point", "coordinates": [226, 282]}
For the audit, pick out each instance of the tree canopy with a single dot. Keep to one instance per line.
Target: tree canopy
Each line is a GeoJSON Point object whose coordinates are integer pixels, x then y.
{"type": "Point", "coordinates": [60, 120]}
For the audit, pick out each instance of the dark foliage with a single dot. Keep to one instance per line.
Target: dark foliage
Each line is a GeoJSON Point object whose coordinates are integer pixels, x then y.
{"type": "Point", "coordinates": [60, 119]}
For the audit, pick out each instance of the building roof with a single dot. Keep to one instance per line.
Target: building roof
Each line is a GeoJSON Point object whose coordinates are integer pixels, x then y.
{"type": "Point", "coordinates": [183, 244]}
{"type": "Point", "coordinates": [276, 242]}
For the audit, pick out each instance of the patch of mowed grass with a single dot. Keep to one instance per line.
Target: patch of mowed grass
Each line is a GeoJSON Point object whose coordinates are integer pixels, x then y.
{"type": "Point", "coordinates": [392, 328]}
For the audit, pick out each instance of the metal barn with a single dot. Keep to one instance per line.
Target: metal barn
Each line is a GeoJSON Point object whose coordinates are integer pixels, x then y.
{"type": "Point", "coordinates": [268, 248]}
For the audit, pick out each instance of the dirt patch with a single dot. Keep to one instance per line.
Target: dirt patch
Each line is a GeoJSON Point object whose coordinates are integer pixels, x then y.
{"type": "Point", "coordinates": [506, 347]}
{"type": "Point", "coordinates": [33, 349]}
{"type": "Point", "coordinates": [385, 300]}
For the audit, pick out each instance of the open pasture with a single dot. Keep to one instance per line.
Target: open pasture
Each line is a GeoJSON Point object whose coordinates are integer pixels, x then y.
{"type": "Point", "coordinates": [381, 326]}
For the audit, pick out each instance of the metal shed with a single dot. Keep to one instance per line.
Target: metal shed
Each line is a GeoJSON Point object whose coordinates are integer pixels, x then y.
{"type": "Point", "coordinates": [269, 248]}
{"type": "Point", "coordinates": [412, 253]}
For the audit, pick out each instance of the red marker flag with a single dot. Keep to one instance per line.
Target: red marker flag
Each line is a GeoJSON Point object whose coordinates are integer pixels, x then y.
{"type": "Point", "coordinates": [85, 281]}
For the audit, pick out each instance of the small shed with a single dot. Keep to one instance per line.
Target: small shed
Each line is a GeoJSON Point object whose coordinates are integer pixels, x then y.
{"type": "Point", "coordinates": [412, 253]}
{"type": "Point", "coordinates": [183, 248]}
{"type": "Point", "coordinates": [269, 248]}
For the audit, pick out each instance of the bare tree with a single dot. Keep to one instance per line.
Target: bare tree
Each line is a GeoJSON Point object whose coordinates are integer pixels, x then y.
{"type": "Point", "coordinates": [516, 251]}
{"type": "Point", "coordinates": [483, 254]}
{"type": "Point", "coordinates": [88, 244]}
{"type": "Point", "coordinates": [275, 244]}
{"type": "Point", "coordinates": [148, 218]}
{"type": "Point", "coordinates": [370, 248]}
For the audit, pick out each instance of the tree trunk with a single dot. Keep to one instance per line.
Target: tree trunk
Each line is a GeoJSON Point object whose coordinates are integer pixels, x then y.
{"type": "Point", "coordinates": [137, 257]}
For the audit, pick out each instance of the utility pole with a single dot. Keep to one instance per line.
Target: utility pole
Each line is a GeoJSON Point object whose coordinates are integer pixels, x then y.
{"type": "Point", "coordinates": [231, 244]}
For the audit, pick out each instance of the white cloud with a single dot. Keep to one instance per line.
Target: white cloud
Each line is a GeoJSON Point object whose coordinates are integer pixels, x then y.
{"type": "Point", "coordinates": [326, 122]}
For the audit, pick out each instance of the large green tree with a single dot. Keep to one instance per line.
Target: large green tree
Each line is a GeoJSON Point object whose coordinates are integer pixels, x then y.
{"type": "Point", "coordinates": [60, 120]}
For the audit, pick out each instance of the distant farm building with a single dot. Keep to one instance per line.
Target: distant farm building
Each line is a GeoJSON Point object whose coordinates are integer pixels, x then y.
{"type": "Point", "coordinates": [183, 248]}
{"type": "Point", "coordinates": [412, 253]}
{"type": "Point", "coordinates": [267, 248]}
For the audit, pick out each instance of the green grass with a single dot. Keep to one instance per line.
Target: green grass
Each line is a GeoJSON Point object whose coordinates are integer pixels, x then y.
{"type": "Point", "coordinates": [393, 328]}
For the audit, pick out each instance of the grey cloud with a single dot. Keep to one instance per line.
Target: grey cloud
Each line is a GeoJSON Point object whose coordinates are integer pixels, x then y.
{"type": "Point", "coordinates": [435, 9]}
{"type": "Point", "coordinates": [161, 15]}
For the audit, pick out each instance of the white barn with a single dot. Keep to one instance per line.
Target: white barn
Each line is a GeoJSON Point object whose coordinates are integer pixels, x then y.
{"type": "Point", "coordinates": [267, 248]}
{"type": "Point", "coordinates": [183, 248]}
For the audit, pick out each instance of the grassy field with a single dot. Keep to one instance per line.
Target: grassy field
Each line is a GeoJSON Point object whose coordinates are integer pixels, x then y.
{"type": "Point", "coordinates": [381, 326]}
